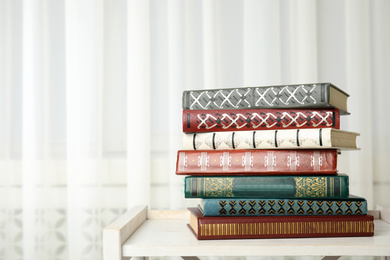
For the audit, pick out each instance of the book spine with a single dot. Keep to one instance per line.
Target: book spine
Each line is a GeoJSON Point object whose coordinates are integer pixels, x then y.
{"type": "Point", "coordinates": [280, 207]}
{"type": "Point", "coordinates": [257, 162]}
{"type": "Point", "coordinates": [258, 119]}
{"type": "Point", "coordinates": [286, 96]}
{"type": "Point", "coordinates": [264, 139]}
{"type": "Point", "coordinates": [267, 187]}
{"type": "Point", "coordinates": [280, 227]}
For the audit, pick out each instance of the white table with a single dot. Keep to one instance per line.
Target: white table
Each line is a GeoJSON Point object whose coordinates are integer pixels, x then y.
{"type": "Point", "coordinates": [141, 233]}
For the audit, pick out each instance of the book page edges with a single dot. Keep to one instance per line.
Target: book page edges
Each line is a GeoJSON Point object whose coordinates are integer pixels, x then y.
{"type": "Point", "coordinates": [338, 98]}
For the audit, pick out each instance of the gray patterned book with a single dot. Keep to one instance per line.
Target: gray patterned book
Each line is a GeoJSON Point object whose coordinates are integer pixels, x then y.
{"type": "Point", "coordinates": [317, 95]}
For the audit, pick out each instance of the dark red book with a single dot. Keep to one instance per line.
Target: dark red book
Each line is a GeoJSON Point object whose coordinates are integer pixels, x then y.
{"type": "Point", "coordinates": [279, 226]}
{"type": "Point", "coordinates": [258, 119]}
{"type": "Point", "coordinates": [257, 162]}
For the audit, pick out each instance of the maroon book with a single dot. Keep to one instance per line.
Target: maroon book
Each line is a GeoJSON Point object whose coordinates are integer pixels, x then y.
{"type": "Point", "coordinates": [258, 119]}
{"type": "Point", "coordinates": [257, 162]}
{"type": "Point", "coordinates": [279, 226]}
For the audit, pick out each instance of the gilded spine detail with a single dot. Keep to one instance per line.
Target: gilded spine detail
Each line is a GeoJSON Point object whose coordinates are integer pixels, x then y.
{"type": "Point", "coordinates": [331, 186]}
{"type": "Point", "coordinates": [286, 228]}
{"type": "Point", "coordinates": [311, 187]}
{"type": "Point", "coordinates": [218, 187]}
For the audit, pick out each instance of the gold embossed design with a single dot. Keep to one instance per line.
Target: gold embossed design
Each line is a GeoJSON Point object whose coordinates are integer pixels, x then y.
{"type": "Point", "coordinates": [218, 187]}
{"type": "Point", "coordinates": [311, 227]}
{"type": "Point", "coordinates": [232, 211]}
{"type": "Point", "coordinates": [222, 204]}
{"type": "Point", "coordinates": [310, 187]}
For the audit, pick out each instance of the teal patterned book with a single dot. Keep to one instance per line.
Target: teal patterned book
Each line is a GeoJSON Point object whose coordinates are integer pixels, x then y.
{"type": "Point", "coordinates": [353, 205]}
{"type": "Point", "coordinates": [267, 187]}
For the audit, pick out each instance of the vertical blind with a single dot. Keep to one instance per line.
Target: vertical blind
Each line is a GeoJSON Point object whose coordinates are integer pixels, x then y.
{"type": "Point", "coordinates": [90, 101]}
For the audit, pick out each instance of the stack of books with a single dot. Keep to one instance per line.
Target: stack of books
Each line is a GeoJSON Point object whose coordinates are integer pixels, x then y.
{"type": "Point", "coordinates": [263, 160]}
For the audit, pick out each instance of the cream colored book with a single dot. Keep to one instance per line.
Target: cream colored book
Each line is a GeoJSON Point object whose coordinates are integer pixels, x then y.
{"type": "Point", "coordinates": [322, 138]}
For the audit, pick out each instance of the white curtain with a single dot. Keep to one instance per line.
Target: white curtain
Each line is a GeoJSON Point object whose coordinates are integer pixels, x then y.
{"type": "Point", "coordinates": [90, 101]}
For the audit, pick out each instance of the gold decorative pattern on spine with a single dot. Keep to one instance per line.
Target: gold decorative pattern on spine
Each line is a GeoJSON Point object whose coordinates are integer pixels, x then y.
{"type": "Point", "coordinates": [272, 228]}
{"type": "Point", "coordinates": [370, 226]}
{"type": "Point", "coordinates": [218, 187]}
{"type": "Point", "coordinates": [331, 186]}
{"type": "Point", "coordinates": [310, 187]}
{"type": "Point", "coordinates": [338, 226]}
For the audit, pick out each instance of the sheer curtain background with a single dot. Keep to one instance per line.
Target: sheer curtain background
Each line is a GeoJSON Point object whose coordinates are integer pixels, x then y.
{"type": "Point", "coordinates": [90, 101]}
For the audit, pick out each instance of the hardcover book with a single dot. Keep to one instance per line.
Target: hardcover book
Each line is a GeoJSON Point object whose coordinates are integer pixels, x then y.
{"type": "Point", "coordinates": [270, 187]}
{"type": "Point", "coordinates": [245, 227]}
{"type": "Point", "coordinates": [272, 139]}
{"type": "Point", "coordinates": [257, 162]}
{"type": "Point", "coordinates": [258, 119]}
{"type": "Point", "coordinates": [318, 95]}
{"type": "Point", "coordinates": [353, 205]}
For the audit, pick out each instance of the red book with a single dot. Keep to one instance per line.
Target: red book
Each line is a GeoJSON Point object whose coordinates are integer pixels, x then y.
{"type": "Point", "coordinates": [279, 226]}
{"type": "Point", "coordinates": [257, 162]}
{"type": "Point", "coordinates": [258, 119]}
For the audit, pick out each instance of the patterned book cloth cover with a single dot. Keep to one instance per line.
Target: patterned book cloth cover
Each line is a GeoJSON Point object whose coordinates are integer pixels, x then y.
{"type": "Point", "coordinates": [317, 95]}
{"type": "Point", "coordinates": [353, 205]}
{"type": "Point", "coordinates": [258, 119]}
{"type": "Point", "coordinates": [267, 187]}
{"type": "Point", "coordinates": [257, 162]}
{"type": "Point", "coordinates": [246, 227]}
{"type": "Point", "coordinates": [322, 138]}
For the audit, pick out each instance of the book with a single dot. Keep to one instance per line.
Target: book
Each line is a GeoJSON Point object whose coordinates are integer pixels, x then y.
{"type": "Point", "coordinates": [258, 119]}
{"type": "Point", "coordinates": [257, 162]}
{"type": "Point", "coordinates": [316, 95]}
{"type": "Point", "coordinates": [272, 139]}
{"type": "Point", "coordinates": [246, 227]}
{"type": "Point", "coordinates": [353, 205]}
{"type": "Point", "coordinates": [267, 187]}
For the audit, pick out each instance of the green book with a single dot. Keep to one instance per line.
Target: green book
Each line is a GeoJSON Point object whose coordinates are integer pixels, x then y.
{"type": "Point", "coordinates": [267, 187]}
{"type": "Point", "coordinates": [353, 205]}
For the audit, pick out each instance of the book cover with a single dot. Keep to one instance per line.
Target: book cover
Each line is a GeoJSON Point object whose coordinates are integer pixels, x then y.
{"type": "Point", "coordinates": [257, 162]}
{"type": "Point", "coordinates": [322, 138]}
{"type": "Point", "coordinates": [317, 95]}
{"type": "Point", "coordinates": [245, 227]}
{"type": "Point", "coordinates": [258, 119]}
{"type": "Point", "coordinates": [267, 187]}
{"type": "Point", "coordinates": [353, 205]}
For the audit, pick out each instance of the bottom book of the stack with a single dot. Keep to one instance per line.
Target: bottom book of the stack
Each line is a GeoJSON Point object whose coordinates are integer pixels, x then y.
{"type": "Point", "coordinates": [247, 227]}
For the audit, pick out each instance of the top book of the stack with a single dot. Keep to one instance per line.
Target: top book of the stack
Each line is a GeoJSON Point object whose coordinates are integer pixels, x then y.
{"type": "Point", "coordinates": [316, 95]}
